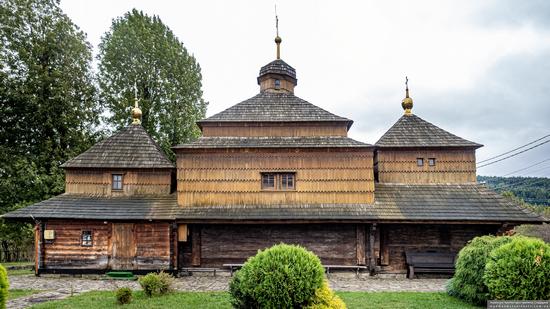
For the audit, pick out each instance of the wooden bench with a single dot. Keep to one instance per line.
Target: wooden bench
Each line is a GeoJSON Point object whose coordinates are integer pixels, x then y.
{"type": "Point", "coordinates": [357, 268]}
{"type": "Point", "coordinates": [430, 262]}
{"type": "Point", "coordinates": [199, 269]}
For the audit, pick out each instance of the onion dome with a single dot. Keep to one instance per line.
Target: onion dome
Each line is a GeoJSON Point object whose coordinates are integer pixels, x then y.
{"type": "Point", "coordinates": [407, 102]}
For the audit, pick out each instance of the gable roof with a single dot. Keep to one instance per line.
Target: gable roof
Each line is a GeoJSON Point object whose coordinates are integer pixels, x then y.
{"type": "Point", "coordinates": [274, 142]}
{"type": "Point", "coordinates": [274, 107]}
{"type": "Point", "coordinates": [413, 131]}
{"type": "Point", "coordinates": [130, 147]}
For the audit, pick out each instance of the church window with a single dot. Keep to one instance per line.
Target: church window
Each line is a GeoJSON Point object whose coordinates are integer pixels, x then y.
{"type": "Point", "coordinates": [431, 161]}
{"type": "Point", "coordinates": [277, 84]}
{"type": "Point", "coordinates": [86, 238]}
{"type": "Point", "coordinates": [279, 181]}
{"type": "Point", "coordinates": [117, 182]}
{"type": "Point", "coordinates": [419, 162]}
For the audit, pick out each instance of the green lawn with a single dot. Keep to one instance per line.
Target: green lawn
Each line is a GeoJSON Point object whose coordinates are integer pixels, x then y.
{"type": "Point", "coordinates": [16, 293]}
{"type": "Point", "coordinates": [18, 264]}
{"type": "Point", "coordinates": [19, 272]}
{"type": "Point", "coordinates": [216, 300]}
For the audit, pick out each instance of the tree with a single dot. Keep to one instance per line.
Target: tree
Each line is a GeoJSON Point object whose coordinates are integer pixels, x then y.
{"type": "Point", "coordinates": [140, 50]}
{"type": "Point", "coordinates": [48, 102]}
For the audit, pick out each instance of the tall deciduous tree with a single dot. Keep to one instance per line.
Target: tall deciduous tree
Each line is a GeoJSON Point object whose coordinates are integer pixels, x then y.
{"type": "Point", "coordinates": [48, 102]}
{"type": "Point", "coordinates": [140, 50]}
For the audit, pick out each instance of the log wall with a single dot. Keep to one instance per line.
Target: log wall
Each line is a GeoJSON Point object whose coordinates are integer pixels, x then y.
{"type": "Point", "coordinates": [278, 129]}
{"type": "Point", "coordinates": [398, 238]}
{"type": "Point", "coordinates": [135, 182]}
{"type": "Point", "coordinates": [221, 244]}
{"type": "Point", "coordinates": [234, 178]}
{"type": "Point", "coordinates": [452, 166]}
{"type": "Point", "coordinates": [151, 245]}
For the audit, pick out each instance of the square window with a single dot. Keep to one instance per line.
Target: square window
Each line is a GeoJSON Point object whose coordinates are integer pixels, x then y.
{"type": "Point", "coordinates": [86, 238]}
{"type": "Point", "coordinates": [431, 161]}
{"type": "Point", "coordinates": [419, 162]}
{"type": "Point", "coordinates": [117, 182]}
{"type": "Point", "coordinates": [268, 181]}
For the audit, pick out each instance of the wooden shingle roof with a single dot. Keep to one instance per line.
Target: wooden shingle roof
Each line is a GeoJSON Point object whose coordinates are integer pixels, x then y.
{"type": "Point", "coordinates": [278, 67]}
{"type": "Point", "coordinates": [274, 142]}
{"type": "Point", "coordinates": [413, 131]}
{"type": "Point", "coordinates": [130, 147]}
{"type": "Point", "coordinates": [70, 206]}
{"type": "Point", "coordinates": [274, 107]}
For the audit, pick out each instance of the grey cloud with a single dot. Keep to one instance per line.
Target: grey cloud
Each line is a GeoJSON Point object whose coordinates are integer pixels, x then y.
{"type": "Point", "coordinates": [515, 13]}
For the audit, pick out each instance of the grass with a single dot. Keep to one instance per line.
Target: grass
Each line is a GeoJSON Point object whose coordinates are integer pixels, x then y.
{"type": "Point", "coordinates": [216, 300]}
{"type": "Point", "coordinates": [19, 272]}
{"type": "Point", "coordinates": [17, 264]}
{"type": "Point", "coordinates": [16, 293]}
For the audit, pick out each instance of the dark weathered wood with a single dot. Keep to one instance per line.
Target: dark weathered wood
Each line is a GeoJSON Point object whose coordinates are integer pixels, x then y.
{"type": "Point", "coordinates": [372, 259]}
{"type": "Point", "coordinates": [196, 246]}
{"type": "Point", "coordinates": [124, 246]}
{"type": "Point", "coordinates": [361, 241]}
{"type": "Point", "coordinates": [430, 262]}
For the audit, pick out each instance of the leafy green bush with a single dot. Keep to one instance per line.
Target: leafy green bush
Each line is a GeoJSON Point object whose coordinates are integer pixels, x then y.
{"type": "Point", "coordinates": [519, 270]}
{"type": "Point", "coordinates": [154, 284]}
{"type": "Point", "coordinates": [123, 296]}
{"type": "Point", "coordinates": [467, 282]}
{"type": "Point", "coordinates": [283, 276]}
{"type": "Point", "coordinates": [325, 298]}
{"type": "Point", "coordinates": [4, 286]}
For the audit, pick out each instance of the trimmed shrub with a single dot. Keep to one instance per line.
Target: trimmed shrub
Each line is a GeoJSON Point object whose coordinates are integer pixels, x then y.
{"type": "Point", "coordinates": [325, 298]}
{"type": "Point", "coordinates": [123, 296]}
{"type": "Point", "coordinates": [283, 276]}
{"type": "Point", "coordinates": [154, 284]}
{"type": "Point", "coordinates": [4, 286]}
{"type": "Point", "coordinates": [467, 282]}
{"type": "Point", "coordinates": [519, 270]}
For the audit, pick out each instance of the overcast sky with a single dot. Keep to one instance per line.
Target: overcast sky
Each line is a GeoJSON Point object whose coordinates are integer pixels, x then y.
{"type": "Point", "coordinates": [479, 69]}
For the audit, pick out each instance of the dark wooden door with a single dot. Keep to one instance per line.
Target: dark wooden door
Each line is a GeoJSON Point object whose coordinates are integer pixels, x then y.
{"type": "Point", "coordinates": [123, 250]}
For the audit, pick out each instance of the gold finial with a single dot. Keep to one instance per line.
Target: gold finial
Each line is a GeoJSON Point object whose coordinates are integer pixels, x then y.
{"type": "Point", "coordinates": [136, 111]}
{"type": "Point", "coordinates": [278, 39]}
{"type": "Point", "coordinates": [407, 102]}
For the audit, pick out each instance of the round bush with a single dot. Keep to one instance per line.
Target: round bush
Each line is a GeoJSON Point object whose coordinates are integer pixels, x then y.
{"type": "Point", "coordinates": [154, 284]}
{"type": "Point", "coordinates": [283, 276]}
{"type": "Point", "coordinates": [325, 298]}
{"type": "Point", "coordinates": [4, 286]}
{"type": "Point", "coordinates": [519, 270]}
{"type": "Point", "coordinates": [123, 296]}
{"type": "Point", "coordinates": [467, 282]}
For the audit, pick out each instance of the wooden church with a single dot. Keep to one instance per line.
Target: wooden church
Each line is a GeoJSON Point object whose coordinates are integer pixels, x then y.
{"type": "Point", "coordinates": [273, 168]}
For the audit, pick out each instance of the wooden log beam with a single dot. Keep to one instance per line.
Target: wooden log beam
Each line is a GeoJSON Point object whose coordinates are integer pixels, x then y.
{"type": "Point", "coordinates": [361, 241]}
{"type": "Point", "coordinates": [196, 246]}
{"type": "Point", "coordinates": [372, 259]}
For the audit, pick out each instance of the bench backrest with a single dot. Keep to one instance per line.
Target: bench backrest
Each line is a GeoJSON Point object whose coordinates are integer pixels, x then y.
{"type": "Point", "coordinates": [430, 258]}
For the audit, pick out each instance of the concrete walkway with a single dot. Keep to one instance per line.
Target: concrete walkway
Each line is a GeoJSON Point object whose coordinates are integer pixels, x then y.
{"type": "Point", "coordinates": [59, 288]}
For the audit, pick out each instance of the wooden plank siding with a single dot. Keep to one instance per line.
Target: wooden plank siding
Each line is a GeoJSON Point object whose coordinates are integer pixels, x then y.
{"type": "Point", "coordinates": [135, 182]}
{"type": "Point", "coordinates": [140, 245]}
{"type": "Point", "coordinates": [234, 178]}
{"type": "Point", "coordinates": [272, 130]}
{"type": "Point", "coordinates": [452, 166]}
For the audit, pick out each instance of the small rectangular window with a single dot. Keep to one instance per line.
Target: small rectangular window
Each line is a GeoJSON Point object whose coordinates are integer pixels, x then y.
{"type": "Point", "coordinates": [419, 162]}
{"type": "Point", "coordinates": [278, 181]}
{"type": "Point", "coordinates": [431, 161]}
{"type": "Point", "coordinates": [287, 181]}
{"type": "Point", "coordinates": [117, 182]}
{"type": "Point", "coordinates": [277, 84]}
{"type": "Point", "coordinates": [268, 181]}
{"type": "Point", "coordinates": [86, 238]}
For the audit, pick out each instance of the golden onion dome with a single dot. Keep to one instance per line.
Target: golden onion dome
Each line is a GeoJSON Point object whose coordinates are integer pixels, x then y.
{"type": "Point", "coordinates": [407, 102]}
{"type": "Point", "coordinates": [136, 115]}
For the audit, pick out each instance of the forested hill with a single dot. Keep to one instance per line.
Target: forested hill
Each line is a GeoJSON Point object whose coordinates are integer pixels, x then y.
{"type": "Point", "coordinates": [533, 190]}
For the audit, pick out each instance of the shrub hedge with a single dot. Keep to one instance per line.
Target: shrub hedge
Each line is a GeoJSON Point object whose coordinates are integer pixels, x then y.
{"type": "Point", "coordinates": [325, 298]}
{"type": "Point", "coordinates": [123, 296]}
{"type": "Point", "coordinates": [4, 286]}
{"type": "Point", "coordinates": [283, 276]}
{"type": "Point", "coordinates": [467, 282]}
{"type": "Point", "coordinates": [519, 270]}
{"type": "Point", "coordinates": [154, 284]}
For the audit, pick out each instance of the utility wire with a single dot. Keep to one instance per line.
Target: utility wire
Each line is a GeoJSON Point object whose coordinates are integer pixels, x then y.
{"type": "Point", "coordinates": [515, 154]}
{"type": "Point", "coordinates": [525, 168]}
{"type": "Point", "coordinates": [518, 148]}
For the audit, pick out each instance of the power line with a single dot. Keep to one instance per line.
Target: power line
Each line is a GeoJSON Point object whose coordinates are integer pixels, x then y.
{"type": "Point", "coordinates": [525, 168]}
{"type": "Point", "coordinates": [518, 148]}
{"type": "Point", "coordinates": [513, 155]}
